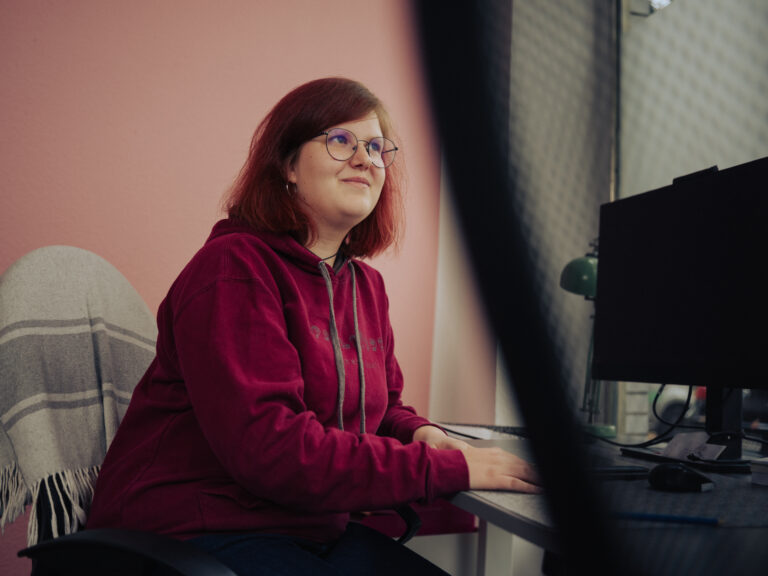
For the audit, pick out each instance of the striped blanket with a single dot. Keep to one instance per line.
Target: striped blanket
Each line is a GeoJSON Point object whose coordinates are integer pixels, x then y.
{"type": "Point", "coordinates": [75, 338]}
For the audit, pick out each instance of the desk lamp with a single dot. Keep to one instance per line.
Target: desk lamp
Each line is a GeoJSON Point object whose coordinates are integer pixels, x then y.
{"type": "Point", "coordinates": [580, 277]}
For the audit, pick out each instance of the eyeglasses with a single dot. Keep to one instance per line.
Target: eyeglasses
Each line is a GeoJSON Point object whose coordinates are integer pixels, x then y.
{"type": "Point", "coordinates": [342, 145]}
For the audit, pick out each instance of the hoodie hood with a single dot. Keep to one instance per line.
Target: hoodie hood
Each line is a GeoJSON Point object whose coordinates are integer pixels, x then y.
{"type": "Point", "coordinates": [284, 244]}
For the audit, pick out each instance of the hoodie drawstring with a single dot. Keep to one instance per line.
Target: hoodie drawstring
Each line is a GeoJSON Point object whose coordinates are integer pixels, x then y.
{"type": "Point", "coordinates": [337, 355]}
{"type": "Point", "coordinates": [359, 346]}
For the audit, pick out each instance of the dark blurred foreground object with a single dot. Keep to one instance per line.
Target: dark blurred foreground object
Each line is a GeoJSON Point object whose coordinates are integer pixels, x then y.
{"type": "Point", "coordinates": [466, 51]}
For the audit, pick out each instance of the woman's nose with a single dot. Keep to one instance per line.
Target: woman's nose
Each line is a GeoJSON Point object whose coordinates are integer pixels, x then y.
{"type": "Point", "coordinates": [361, 155]}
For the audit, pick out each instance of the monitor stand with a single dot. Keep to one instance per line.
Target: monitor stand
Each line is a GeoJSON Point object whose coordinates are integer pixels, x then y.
{"type": "Point", "coordinates": [723, 424]}
{"type": "Point", "coordinates": [724, 420]}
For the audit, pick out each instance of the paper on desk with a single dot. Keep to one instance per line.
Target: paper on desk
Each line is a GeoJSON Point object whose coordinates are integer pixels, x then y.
{"type": "Point", "coordinates": [683, 445]}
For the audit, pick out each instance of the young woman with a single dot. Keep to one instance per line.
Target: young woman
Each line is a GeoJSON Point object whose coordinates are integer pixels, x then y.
{"type": "Point", "coordinates": [272, 409]}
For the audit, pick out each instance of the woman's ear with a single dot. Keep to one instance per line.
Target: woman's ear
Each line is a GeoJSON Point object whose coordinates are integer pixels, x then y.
{"type": "Point", "coordinates": [290, 173]}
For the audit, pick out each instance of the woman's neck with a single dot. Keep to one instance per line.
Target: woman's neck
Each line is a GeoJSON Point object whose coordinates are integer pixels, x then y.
{"type": "Point", "coordinates": [325, 250]}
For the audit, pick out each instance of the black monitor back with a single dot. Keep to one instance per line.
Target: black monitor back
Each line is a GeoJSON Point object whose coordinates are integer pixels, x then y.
{"type": "Point", "coordinates": [681, 292]}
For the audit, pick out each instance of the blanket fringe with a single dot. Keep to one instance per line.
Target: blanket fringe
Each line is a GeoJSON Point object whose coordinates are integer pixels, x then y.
{"type": "Point", "coordinates": [14, 495]}
{"type": "Point", "coordinates": [64, 499]}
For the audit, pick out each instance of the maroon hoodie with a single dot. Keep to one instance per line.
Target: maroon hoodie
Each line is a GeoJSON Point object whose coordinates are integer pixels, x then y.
{"type": "Point", "coordinates": [236, 424]}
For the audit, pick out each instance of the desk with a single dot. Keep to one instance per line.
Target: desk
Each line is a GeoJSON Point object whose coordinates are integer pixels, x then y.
{"type": "Point", "coordinates": [739, 545]}
{"type": "Point", "coordinates": [499, 513]}
{"type": "Point", "coordinates": [523, 515]}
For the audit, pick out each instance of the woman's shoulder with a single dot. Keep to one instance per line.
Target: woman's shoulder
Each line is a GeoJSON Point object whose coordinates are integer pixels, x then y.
{"type": "Point", "coordinates": [237, 255]}
{"type": "Point", "coordinates": [240, 253]}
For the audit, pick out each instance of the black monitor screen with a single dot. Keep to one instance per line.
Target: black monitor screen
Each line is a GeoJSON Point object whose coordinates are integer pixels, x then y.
{"type": "Point", "coordinates": [682, 287]}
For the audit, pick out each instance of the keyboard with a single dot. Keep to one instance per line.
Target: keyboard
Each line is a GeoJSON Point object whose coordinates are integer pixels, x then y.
{"type": "Point", "coordinates": [482, 431]}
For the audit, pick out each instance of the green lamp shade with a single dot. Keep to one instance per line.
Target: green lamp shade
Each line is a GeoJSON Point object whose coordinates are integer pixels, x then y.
{"type": "Point", "coordinates": [580, 276]}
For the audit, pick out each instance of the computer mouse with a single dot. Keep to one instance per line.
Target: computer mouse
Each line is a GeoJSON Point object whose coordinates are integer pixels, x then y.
{"type": "Point", "coordinates": [678, 477]}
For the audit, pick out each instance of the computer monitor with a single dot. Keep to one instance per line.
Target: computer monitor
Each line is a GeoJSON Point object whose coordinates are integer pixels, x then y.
{"type": "Point", "coordinates": [682, 290]}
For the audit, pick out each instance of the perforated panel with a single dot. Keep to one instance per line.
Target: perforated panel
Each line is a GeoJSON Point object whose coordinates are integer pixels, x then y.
{"type": "Point", "coordinates": [694, 80]}
{"type": "Point", "coordinates": [562, 126]}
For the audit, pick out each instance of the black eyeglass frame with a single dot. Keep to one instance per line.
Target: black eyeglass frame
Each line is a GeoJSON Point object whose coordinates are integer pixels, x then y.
{"type": "Point", "coordinates": [367, 146]}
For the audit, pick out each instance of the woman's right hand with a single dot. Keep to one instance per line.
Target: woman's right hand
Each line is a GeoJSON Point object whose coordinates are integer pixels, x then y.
{"type": "Point", "coordinates": [497, 469]}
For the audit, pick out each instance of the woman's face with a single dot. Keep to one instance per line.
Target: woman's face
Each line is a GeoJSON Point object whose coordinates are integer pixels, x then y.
{"type": "Point", "coordinates": [338, 195]}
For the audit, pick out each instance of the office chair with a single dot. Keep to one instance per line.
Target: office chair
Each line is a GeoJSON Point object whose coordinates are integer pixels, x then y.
{"type": "Point", "coordinates": [75, 338]}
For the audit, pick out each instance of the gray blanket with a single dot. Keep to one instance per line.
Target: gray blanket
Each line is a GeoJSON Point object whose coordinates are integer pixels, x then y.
{"type": "Point", "coordinates": [75, 338]}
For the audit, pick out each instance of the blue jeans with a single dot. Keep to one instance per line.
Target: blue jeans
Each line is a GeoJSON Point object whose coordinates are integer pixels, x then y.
{"type": "Point", "coordinates": [361, 551]}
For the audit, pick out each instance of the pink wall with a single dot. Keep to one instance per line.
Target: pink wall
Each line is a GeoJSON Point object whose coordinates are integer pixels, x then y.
{"type": "Point", "coordinates": [123, 123]}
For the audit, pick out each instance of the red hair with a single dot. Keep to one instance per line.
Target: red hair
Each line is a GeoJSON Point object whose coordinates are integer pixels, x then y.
{"type": "Point", "coordinates": [259, 196]}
